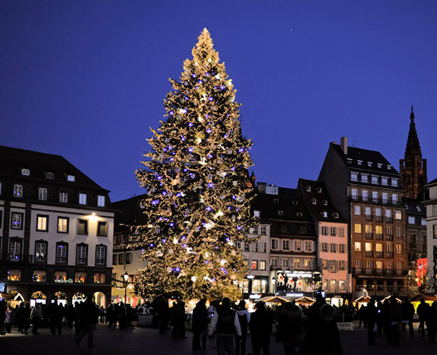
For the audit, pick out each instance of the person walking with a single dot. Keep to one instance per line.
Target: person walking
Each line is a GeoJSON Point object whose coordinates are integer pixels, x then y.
{"type": "Point", "coordinates": [260, 329]}
{"type": "Point", "coordinates": [407, 317]}
{"type": "Point", "coordinates": [244, 319]}
{"type": "Point", "coordinates": [422, 311]}
{"type": "Point", "coordinates": [55, 315]}
{"type": "Point", "coordinates": [431, 322]}
{"type": "Point", "coordinates": [290, 328]}
{"type": "Point", "coordinates": [8, 319]}
{"type": "Point", "coordinates": [372, 314]}
{"type": "Point", "coordinates": [89, 316]}
{"type": "Point", "coordinates": [36, 317]}
{"type": "Point", "coordinates": [200, 325]}
{"type": "Point", "coordinates": [226, 323]}
{"type": "Point", "coordinates": [322, 336]}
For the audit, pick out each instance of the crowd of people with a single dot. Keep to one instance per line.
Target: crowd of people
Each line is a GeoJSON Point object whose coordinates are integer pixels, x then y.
{"type": "Point", "coordinates": [300, 330]}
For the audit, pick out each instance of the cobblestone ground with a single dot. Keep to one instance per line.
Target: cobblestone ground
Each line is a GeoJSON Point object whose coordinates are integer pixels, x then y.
{"type": "Point", "coordinates": [142, 340]}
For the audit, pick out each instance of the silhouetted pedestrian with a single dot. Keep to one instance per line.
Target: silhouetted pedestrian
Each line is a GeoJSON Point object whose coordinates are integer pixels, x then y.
{"type": "Point", "coordinates": [226, 322]}
{"type": "Point", "coordinates": [89, 316]}
{"type": "Point", "coordinates": [260, 329]}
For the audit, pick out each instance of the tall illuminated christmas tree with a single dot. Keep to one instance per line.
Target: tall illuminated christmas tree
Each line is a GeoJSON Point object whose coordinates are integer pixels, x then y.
{"type": "Point", "coordinates": [198, 190]}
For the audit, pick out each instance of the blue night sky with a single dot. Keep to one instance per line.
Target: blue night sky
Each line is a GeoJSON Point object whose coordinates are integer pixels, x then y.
{"type": "Point", "coordinates": [86, 79]}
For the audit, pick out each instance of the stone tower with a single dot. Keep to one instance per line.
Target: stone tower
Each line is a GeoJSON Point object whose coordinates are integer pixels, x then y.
{"type": "Point", "coordinates": [413, 168]}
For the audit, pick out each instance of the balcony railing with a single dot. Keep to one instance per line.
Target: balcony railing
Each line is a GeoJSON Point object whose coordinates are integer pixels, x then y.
{"type": "Point", "coordinates": [389, 236]}
{"type": "Point", "coordinates": [369, 235]}
{"type": "Point", "coordinates": [389, 219]}
{"type": "Point", "coordinates": [379, 272]}
{"type": "Point", "coordinates": [379, 254]}
{"type": "Point", "coordinates": [378, 218]}
{"type": "Point", "coordinates": [389, 255]}
{"type": "Point", "coordinates": [369, 254]}
{"type": "Point", "coordinates": [379, 236]}
{"type": "Point", "coordinates": [368, 217]}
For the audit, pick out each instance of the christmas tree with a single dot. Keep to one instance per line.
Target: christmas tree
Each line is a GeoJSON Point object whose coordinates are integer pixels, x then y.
{"type": "Point", "coordinates": [198, 190]}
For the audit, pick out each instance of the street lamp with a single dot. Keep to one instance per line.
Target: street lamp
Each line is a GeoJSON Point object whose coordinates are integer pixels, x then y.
{"type": "Point", "coordinates": [125, 279]}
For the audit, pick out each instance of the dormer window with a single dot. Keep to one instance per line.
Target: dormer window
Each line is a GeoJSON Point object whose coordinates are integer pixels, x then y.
{"type": "Point", "coordinates": [389, 167]}
{"type": "Point", "coordinates": [319, 190]}
{"type": "Point", "coordinates": [379, 166]}
{"type": "Point", "coordinates": [359, 162]}
{"type": "Point", "coordinates": [71, 178]}
{"type": "Point", "coordinates": [325, 203]}
{"type": "Point", "coordinates": [369, 164]}
{"type": "Point", "coordinates": [276, 200]}
{"type": "Point", "coordinates": [299, 214]}
{"type": "Point", "coordinates": [50, 176]}
{"type": "Point", "coordinates": [256, 214]}
{"type": "Point", "coordinates": [280, 212]}
{"type": "Point", "coordinates": [349, 160]}
{"type": "Point", "coordinates": [308, 188]}
{"type": "Point", "coordinates": [294, 202]}
{"type": "Point", "coordinates": [418, 209]}
{"type": "Point", "coordinates": [314, 201]}
{"type": "Point", "coordinates": [25, 172]}
{"type": "Point", "coordinates": [335, 215]}
{"type": "Point", "coordinates": [325, 214]}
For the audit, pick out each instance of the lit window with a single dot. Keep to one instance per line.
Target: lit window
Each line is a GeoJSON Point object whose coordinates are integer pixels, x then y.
{"type": "Point", "coordinates": [254, 264]}
{"type": "Point", "coordinates": [99, 278]}
{"type": "Point", "coordinates": [101, 202]}
{"type": "Point", "coordinates": [39, 276]}
{"type": "Point", "coordinates": [384, 181]}
{"type": "Point", "coordinates": [63, 224]}
{"type": "Point", "coordinates": [71, 178]}
{"type": "Point", "coordinates": [354, 177]}
{"type": "Point", "coordinates": [364, 178]}
{"type": "Point", "coordinates": [262, 265]}
{"type": "Point", "coordinates": [357, 246]}
{"type": "Point", "coordinates": [80, 277]}
{"type": "Point", "coordinates": [394, 182]}
{"type": "Point", "coordinates": [375, 180]}
{"type": "Point", "coordinates": [357, 228]}
{"type": "Point", "coordinates": [42, 223]}
{"type": "Point", "coordinates": [394, 199]}
{"type": "Point", "coordinates": [411, 220]}
{"type": "Point", "coordinates": [14, 275]}
{"type": "Point", "coordinates": [398, 215]}
{"type": "Point", "coordinates": [60, 276]}
{"type": "Point", "coordinates": [357, 210]}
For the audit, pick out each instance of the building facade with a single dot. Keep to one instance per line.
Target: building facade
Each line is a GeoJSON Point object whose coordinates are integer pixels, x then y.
{"type": "Point", "coordinates": [331, 244]}
{"type": "Point", "coordinates": [431, 228]}
{"type": "Point", "coordinates": [56, 228]}
{"type": "Point", "coordinates": [365, 189]}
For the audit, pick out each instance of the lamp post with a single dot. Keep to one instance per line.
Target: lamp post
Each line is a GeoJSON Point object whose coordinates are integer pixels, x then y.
{"type": "Point", "coordinates": [125, 279]}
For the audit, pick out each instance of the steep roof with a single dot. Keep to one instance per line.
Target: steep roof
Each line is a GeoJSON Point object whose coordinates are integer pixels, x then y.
{"type": "Point", "coordinates": [13, 160]}
{"type": "Point", "coordinates": [370, 161]}
{"type": "Point", "coordinates": [318, 202]}
{"type": "Point", "coordinates": [129, 212]}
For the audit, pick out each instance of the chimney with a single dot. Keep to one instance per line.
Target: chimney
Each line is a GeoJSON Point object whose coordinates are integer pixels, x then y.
{"type": "Point", "coordinates": [344, 145]}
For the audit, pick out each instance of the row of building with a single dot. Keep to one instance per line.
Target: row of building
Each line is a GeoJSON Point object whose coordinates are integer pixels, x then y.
{"type": "Point", "coordinates": [362, 228]}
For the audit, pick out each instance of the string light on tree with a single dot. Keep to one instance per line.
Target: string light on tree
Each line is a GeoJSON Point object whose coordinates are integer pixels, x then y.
{"type": "Point", "coordinates": [196, 178]}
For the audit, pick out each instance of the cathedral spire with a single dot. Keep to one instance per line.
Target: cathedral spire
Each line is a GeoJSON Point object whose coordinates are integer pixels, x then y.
{"type": "Point", "coordinates": [413, 167]}
{"type": "Point", "coordinates": [413, 145]}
